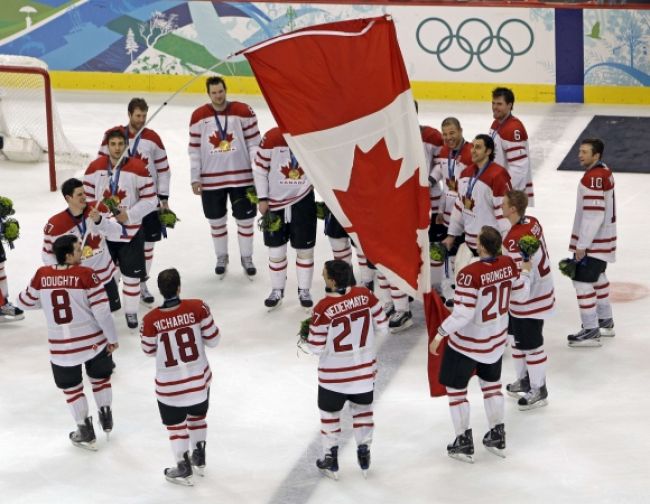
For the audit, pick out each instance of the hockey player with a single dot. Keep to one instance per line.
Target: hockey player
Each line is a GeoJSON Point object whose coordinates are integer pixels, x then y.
{"type": "Point", "coordinates": [128, 190]}
{"type": "Point", "coordinates": [511, 142]}
{"type": "Point", "coordinates": [342, 332]}
{"type": "Point", "coordinates": [90, 227]}
{"type": "Point", "coordinates": [80, 331]}
{"type": "Point", "coordinates": [176, 334]}
{"type": "Point", "coordinates": [593, 241]}
{"type": "Point", "coordinates": [223, 139]}
{"type": "Point", "coordinates": [527, 317]}
{"type": "Point", "coordinates": [8, 312]}
{"type": "Point", "coordinates": [284, 191]}
{"type": "Point", "coordinates": [150, 149]}
{"type": "Point", "coordinates": [478, 332]}
{"type": "Point", "coordinates": [481, 187]}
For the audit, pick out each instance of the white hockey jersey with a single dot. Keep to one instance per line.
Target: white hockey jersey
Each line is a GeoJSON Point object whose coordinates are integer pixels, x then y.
{"type": "Point", "coordinates": [432, 142]}
{"type": "Point", "coordinates": [511, 151]}
{"type": "Point", "coordinates": [150, 149]}
{"type": "Point", "coordinates": [541, 302]}
{"type": "Point", "coordinates": [134, 190]}
{"type": "Point", "coordinates": [218, 162]}
{"type": "Point", "coordinates": [478, 326]}
{"type": "Point", "coordinates": [76, 308]}
{"type": "Point", "coordinates": [482, 205]}
{"type": "Point", "coordinates": [594, 224]}
{"type": "Point", "coordinates": [177, 337]}
{"type": "Point", "coordinates": [342, 331]}
{"type": "Point", "coordinates": [278, 176]}
{"type": "Point", "coordinates": [447, 168]}
{"type": "Point", "coordinates": [95, 253]}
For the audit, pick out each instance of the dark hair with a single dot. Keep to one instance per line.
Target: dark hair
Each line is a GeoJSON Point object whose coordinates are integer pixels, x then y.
{"type": "Point", "coordinates": [117, 133]}
{"type": "Point", "coordinates": [490, 240]}
{"type": "Point", "coordinates": [489, 143]}
{"type": "Point", "coordinates": [451, 121]}
{"type": "Point", "coordinates": [169, 281]}
{"type": "Point", "coordinates": [213, 81]}
{"type": "Point", "coordinates": [519, 200]}
{"type": "Point", "coordinates": [68, 187]}
{"type": "Point", "coordinates": [340, 272]}
{"type": "Point", "coordinates": [63, 246]}
{"type": "Point", "coordinates": [138, 103]}
{"type": "Point", "coordinates": [505, 93]}
{"type": "Point", "coordinates": [597, 145]}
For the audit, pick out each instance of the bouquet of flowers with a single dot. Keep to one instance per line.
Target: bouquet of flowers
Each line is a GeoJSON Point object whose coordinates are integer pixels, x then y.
{"type": "Point", "coordinates": [168, 218]}
{"type": "Point", "coordinates": [568, 267]}
{"type": "Point", "coordinates": [6, 207]}
{"type": "Point", "coordinates": [9, 230]}
{"type": "Point", "coordinates": [437, 252]}
{"type": "Point", "coordinates": [269, 222]}
{"type": "Point", "coordinates": [251, 195]}
{"type": "Point", "coordinates": [528, 245]}
{"type": "Point", "coordinates": [321, 210]}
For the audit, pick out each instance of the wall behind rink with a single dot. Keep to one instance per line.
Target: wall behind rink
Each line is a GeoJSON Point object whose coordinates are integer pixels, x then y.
{"type": "Point", "coordinates": [451, 53]}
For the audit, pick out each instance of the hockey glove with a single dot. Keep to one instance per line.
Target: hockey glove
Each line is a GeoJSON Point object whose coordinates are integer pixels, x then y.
{"type": "Point", "coordinates": [251, 195]}
{"type": "Point", "coordinates": [437, 252]}
{"type": "Point", "coordinates": [321, 210]}
{"type": "Point", "coordinates": [6, 207]}
{"type": "Point", "coordinates": [9, 231]}
{"type": "Point", "coordinates": [168, 218]}
{"type": "Point", "coordinates": [568, 267]}
{"type": "Point", "coordinates": [528, 245]}
{"type": "Point", "coordinates": [269, 222]}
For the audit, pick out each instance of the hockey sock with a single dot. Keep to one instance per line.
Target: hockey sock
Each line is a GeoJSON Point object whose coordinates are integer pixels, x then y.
{"type": "Point", "coordinates": [459, 409]}
{"type": "Point", "coordinates": [362, 423]}
{"type": "Point", "coordinates": [148, 255]}
{"type": "Point", "coordinates": [278, 266]}
{"type": "Point", "coordinates": [366, 275]}
{"type": "Point", "coordinates": [330, 428]}
{"type": "Point", "coordinates": [77, 402]}
{"type": "Point", "coordinates": [519, 361]}
{"type": "Point", "coordinates": [400, 299]}
{"type": "Point", "coordinates": [493, 401]}
{"type": "Point", "coordinates": [603, 308]}
{"type": "Point", "coordinates": [179, 439]}
{"type": "Point", "coordinates": [245, 236]}
{"type": "Point", "coordinates": [304, 267]}
{"type": "Point", "coordinates": [383, 293]}
{"type": "Point", "coordinates": [130, 294]}
{"type": "Point", "coordinates": [102, 391]}
{"type": "Point", "coordinates": [436, 275]}
{"type": "Point", "coordinates": [4, 287]}
{"type": "Point", "coordinates": [587, 303]}
{"type": "Point", "coordinates": [197, 428]}
{"type": "Point", "coordinates": [341, 249]}
{"type": "Point", "coordinates": [536, 364]}
{"type": "Point", "coordinates": [219, 230]}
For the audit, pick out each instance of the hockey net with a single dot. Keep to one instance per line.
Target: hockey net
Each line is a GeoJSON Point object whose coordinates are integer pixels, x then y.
{"type": "Point", "coordinates": [29, 122]}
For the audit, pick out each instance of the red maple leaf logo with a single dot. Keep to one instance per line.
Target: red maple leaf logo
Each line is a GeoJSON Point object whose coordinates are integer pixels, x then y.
{"type": "Point", "coordinates": [385, 217]}
{"type": "Point", "coordinates": [93, 241]}
{"type": "Point", "coordinates": [292, 173]}
{"type": "Point", "coordinates": [117, 198]}
{"type": "Point", "coordinates": [215, 139]}
{"type": "Point", "coordinates": [144, 159]}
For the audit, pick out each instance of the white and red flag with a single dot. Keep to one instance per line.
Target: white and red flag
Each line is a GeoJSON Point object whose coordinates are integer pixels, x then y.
{"type": "Point", "coordinates": [341, 96]}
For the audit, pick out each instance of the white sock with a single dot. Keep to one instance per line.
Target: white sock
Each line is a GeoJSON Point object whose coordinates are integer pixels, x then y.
{"type": "Point", "coordinates": [362, 423]}
{"type": "Point", "coordinates": [148, 255]}
{"type": "Point", "coordinates": [459, 409]}
{"type": "Point", "coordinates": [341, 249]}
{"type": "Point", "coordinates": [130, 294]}
{"type": "Point", "coordinates": [305, 267]}
{"type": "Point", "coordinates": [587, 303]}
{"type": "Point", "coordinates": [245, 236]}
{"type": "Point", "coordinates": [179, 439]}
{"type": "Point", "coordinates": [493, 402]}
{"type": "Point", "coordinates": [536, 364]}
{"type": "Point", "coordinates": [603, 307]}
{"type": "Point", "coordinates": [77, 403]}
{"type": "Point", "coordinates": [330, 428]}
{"type": "Point", "coordinates": [219, 230]}
{"type": "Point", "coordinates": [102, 391]}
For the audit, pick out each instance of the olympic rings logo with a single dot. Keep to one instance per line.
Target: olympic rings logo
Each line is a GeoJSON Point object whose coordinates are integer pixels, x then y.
{"type": "Point", "coordinates": [462, 39]}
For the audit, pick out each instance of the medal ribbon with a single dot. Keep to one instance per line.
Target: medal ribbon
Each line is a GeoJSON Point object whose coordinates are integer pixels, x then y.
{"type": "Point", "coordinates": [113, 182]}
{"type": "Point", "coordinates": [470, 186]}
{"type": "Point", "coordinates": [222, 130]}
{"type": "Point", "coordinates": [131, 151]}
{"type": "Point", "coordinates": [453, 155]}
{"type": "Point", "coordinates": [80, 222]}
{"type": "Point", "coordinates": [494, 133]}
{"type": "Point", "coordinates": [294, 161]}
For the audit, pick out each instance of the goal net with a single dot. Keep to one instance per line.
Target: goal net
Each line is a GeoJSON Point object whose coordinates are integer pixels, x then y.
{"type": "Point", "coordinates": [29, 122]}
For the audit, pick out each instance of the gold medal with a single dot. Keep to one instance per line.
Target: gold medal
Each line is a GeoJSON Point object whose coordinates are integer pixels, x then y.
{"type": "Point", "coordinates": [224, 145]}
{"type": "Point", "coordinates": [87, 251]}
{"type": "Point", "coordinates": [452, 184]}
{"type": "Point", "coordinates": [469, 204]}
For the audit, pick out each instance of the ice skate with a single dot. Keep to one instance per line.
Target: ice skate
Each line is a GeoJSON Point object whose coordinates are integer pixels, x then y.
{"type": "Point", "coordinates": [84, 436]}
{"type": "Point", "coordinates": [222, 266]}
{"type": "Point", "coordinates": [182, 473]}
{"type": "Point", "coordinates": [305, 299]}
{"type": "Point", "coordinates": [105, 416]}
{"type": "Point", "coordinates": [389, 309]}
{"type": "Point", "coordinates": [10, 313]}
{"type": "Point", "coordinates": [329, 464]}
{"type": "Point", "coordinates": [131, 320]}
{"type": "Point", "coordinates": [585, 338]}
{"type": "Point", "coordinates": [363, 457]}
{"type": "Point", "coordinates": [606, 327]}
{"type": "Point", "coordinates": [249, 267]}
{"type": "Point", "coordinates": [400, 321]}
{"type": "Point", "coordinates": [535, 398]}
{"type": "Point", "coordinates": [521, 386]}
{"type": "Point", "coordinates": [146, 297]}
{"type": "Point", "coordinates": [198, 458]}
{"type": "Point", "coordinates": [495, 440]}
{"type": "Point", "coordinates": [462, 448]}
{"type": "Point", "coordinates": [275, 299]}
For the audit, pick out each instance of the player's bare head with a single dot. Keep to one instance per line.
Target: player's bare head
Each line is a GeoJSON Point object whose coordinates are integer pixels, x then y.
{"type": "Point", "coordinates": [451, 122]}
{"type": "Point", "coordinates": [484, 142]}
{"type": "Point", "coordinates": [505, 93]}
{"type": "Point", "coordinates": [518, 200]}
{"type": "Point", "coordinates": [490, 239]}
{"type": "Point", "coordinates": [116, 133]}
{"type": "Point", "coordinates": [169, 282]}
{"type": "Point", "coordinates": [215, 81]}
{"type": "Point", "coordinates": [340, 273]}
{"type": "Point", "coordinates": [503, 99]}
{"type": "Point", "coordinates": [138, 103]}
{"type": "Point", "coordinates": [596, 144]}
{"type": "Point", "coordinates": [63, 247]}
{"type": "Point", "coordinates": [69, 186]}
{"type": "Point", "coordinates": [452, 133]}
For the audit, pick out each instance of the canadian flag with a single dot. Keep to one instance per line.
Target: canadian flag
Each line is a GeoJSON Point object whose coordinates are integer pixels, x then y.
{"type": "Point", "coordinates": [341, 96]}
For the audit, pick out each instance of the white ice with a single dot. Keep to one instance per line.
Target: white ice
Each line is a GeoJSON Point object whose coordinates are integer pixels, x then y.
{"type": "Point", "coordinates": [589, 445]}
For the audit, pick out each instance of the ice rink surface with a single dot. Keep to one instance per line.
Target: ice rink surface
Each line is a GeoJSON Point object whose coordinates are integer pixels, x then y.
{"type": "Point", "coordinates": [589, 445]}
